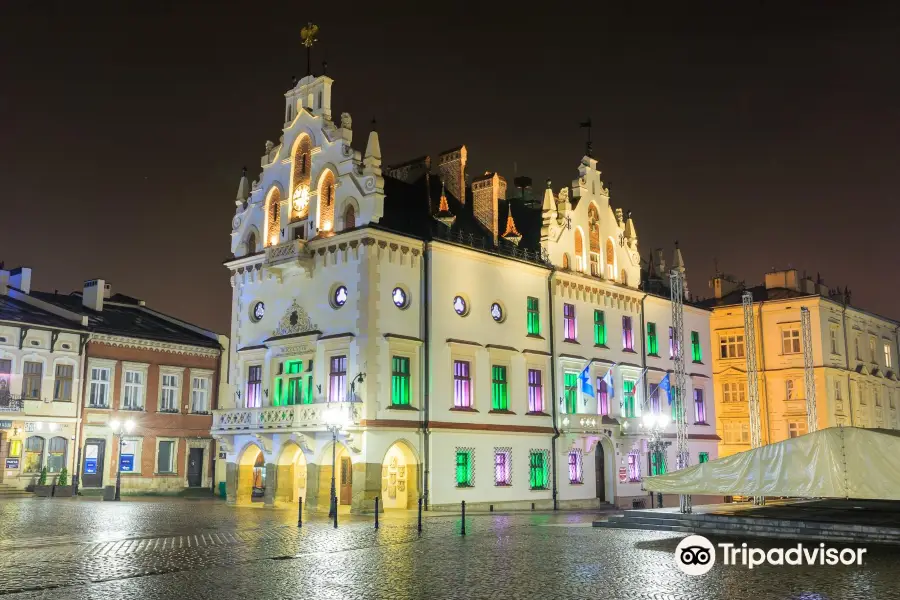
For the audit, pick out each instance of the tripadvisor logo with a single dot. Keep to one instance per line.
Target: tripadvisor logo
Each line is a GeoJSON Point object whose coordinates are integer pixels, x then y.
{"type": "Point", "coordinates": [696, 555]}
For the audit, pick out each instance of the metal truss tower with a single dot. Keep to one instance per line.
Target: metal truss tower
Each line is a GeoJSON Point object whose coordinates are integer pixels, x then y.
{"type": "Point", "coordinates": [752, 376]}
{"type": "Point", "coordinates": [808, 373]}
{"type": "Point", "coordinates": [682, 455]}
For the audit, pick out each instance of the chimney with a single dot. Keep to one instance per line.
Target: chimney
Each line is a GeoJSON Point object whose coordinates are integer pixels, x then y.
{"type": "Point", "coordinates": [783, 279]}
{"type": "Point", "coordinates": [95, 292]}
{"type": "Point", "coordinates": [724, 285]}
{"type": "Point", "coordinates": [4, 282]}
{"type": "Point", "coordinates": [20, 277]}
{"type": "Point", "coordinates": [487, 191]}
{"type": "Point", "coordinates": [452, 171]}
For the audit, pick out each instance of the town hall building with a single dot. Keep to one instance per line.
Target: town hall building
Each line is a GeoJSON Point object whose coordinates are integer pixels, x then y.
{"type": "Point", "coordinates": [456, 345]}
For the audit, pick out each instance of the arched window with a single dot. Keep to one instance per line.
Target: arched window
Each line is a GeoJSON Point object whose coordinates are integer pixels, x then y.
{"type": "Point", "coordinates": [610, 260]}
{"type": "Point", "coordinates": [350, 217]}
{"type": "Point", "coordinates": [274, 215]}
{"type": "Point", "coordinates": [34, 454]}
{"type": "Point", "coordinates": [251, 243]}
{"type": "Point", "coordinates": [259, 476]}
{"type": "Point", "coordinates": [326, 201]}
{"type": "Point", "coordinates": [300, 178]}
{"type": "Point", "coordinates": [624, 277]}
{"type": "Point", "coordinates": [579, 250]}
{"type": "Point", "coordinates": [565, 262]}
{"type": "Point", "coordinates": [56, 454]}
{"type": "Point", "coordinates": [594, 238]}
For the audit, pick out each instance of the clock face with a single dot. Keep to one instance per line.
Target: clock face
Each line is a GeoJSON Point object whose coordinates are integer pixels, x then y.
{"type": "Point", "coordinates": [497, 312]}
{"type": "Point", "coordinates": [340, 296]}
{"type": "Point", "coordinates": [460, 306]}
{"type": "Point", "coordinates": [259, 311]}
{"type": "Point", "coordinates": [399, 297]}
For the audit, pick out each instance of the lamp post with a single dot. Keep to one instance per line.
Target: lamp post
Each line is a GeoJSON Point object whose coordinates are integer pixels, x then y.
{"type": "Point", "coordinates": [335, 420]}
{"type": "Point", "coordinates": [654, 424]}
{"type": "Point", "coordinates": [120, 428]}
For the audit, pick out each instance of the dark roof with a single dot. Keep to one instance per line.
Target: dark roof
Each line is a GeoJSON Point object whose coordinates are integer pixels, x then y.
{"type": "Point", "coordinates": [760, 294]}
{"type": "Point", "coordinates": [123, 315]}
{"type": "Point", "coordinates": [22, 312]}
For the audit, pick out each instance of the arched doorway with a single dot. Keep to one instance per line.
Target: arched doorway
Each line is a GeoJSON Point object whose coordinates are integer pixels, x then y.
{"type": "Point", "coordinates": [600, 467]}
{"type": "Point", "coordinates": [399, 477]}
{"type": "Point", "coordinates": [251, 477]}
{"type": "Point", "coordinates": [291, 480]}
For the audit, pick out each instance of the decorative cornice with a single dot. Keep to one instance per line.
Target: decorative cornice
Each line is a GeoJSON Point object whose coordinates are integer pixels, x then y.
{"type": "Point", "coordinates": [142, 344]}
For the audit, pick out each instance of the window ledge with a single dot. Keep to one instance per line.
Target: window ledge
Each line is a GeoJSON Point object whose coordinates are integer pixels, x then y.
{"type": "Point", "coordinates": [601, 346]}
{"type": "Point", "coordinates": [97, 407]}
{"type": "Point", "coordinates": [133, 409]}
{"type": "Point", "coordinates": [697, 362]}
{"type": "Point", "coordinates": [168, 411]}
{"type": "Point", "coordinates": [464, 409]}
{"type": "Point", "coordinates": [703, 423]}
{"type": "Point", "coordinates": [61, 400]}
{"type": "Point", "coordinates": [653, 355]}
{"type": "Point", "coordinates": [576, 483]}
{"type": "Point", "coordinates": [403, 407]}
{"type": "Point", "coordinates": [568, 341]}
{"type": "Point", "coordinates": [167, 474]}
{"type": "Point", "coordinates": [465, 486]}
{"type": "Point", "coordinates": [629, 350]}
{"type": "Point", "coordinates": [540, 489]}
{"type": "Point", "coordinates": [504, 411]}
{"type": "Point", "coordinates": [200, 412]}
{"type": "Point", "coordinates": [502, 485]}
{"type": "Point", "coordinates": [535, 336]}
{"type": "Point", "coordinates": [537, 413]}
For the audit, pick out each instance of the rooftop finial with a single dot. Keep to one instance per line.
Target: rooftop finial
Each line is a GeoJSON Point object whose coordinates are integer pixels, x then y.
{"type": "Point", "coordinates": [374, 122]}
{"type": "Point", "coordinates": [588, 147]}
{"type": "Point", "coordinates": [308, 34]}
{"type": "Point", "coordinates": [324, 67]}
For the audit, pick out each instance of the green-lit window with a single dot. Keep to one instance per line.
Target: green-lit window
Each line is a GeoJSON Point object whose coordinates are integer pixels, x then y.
{"type": "Point", "coordinates": [628, 398]}
{"type": "Point", "coordinates": [704, 457]}
{"type": "Point", "coordinates": [293, 394]}
{"type": "Point", "coordinates": [400, 381]}
{"type": "Point", "coordinates": [571, 381]}
{"type": "Point", "coordinates": [677, 404]}
{"type": "Point", "coordinates": [499, 388]}
{"type": "Point", "coordinates": [652, 342]}
{"type": "Point", "coordinates": [657, 463]}
{"type": "Point", "coordinates": [534, 317]}
{"type": "Point", "coordinates": [696, 351]}
{"type": "Point", "coordinates": [308, 398]}
{"type": "Point", "coordinates": [538, 473]}
{"type": "Point", "coordinates": [599, 328]}
{"type": "Point", "coordinates": [464, 470]}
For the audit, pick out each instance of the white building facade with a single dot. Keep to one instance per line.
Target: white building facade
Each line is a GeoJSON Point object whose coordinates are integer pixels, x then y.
{"type": "Point", "coordinates": [459, 355]}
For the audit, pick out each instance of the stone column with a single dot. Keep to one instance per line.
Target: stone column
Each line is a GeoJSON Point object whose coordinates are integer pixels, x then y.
{"type": "Point", "coordinates": [271, 484]}
{"type": "Point", "coordinates": [312, 487]}
{"type": "Point", "coordinates": [284, 493]}
{"type": "Point", "coordinates": [231, 483]}
{"type": "Point", "coordinates": [366, 485]}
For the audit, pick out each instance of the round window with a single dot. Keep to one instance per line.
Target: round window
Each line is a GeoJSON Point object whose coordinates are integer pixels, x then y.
{"type": "Point", "coordinates": [258, 311]}
{"type": "Point", "coordinates": [400, 297]}
{"type": "Point", "coordinates": [497, 312]}
{"type": "Point", "coordinates": [460, 306]}
{"type": "Point", "coordinates": [340, 296]}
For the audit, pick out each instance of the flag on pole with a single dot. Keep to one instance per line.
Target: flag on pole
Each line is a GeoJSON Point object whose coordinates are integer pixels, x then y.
{"type": "Point", "coordinates": [665, 386]}
{"type": "Point", "coordinates": [586, 388]}
{"type": "Point", "coordinates": [608, 379]}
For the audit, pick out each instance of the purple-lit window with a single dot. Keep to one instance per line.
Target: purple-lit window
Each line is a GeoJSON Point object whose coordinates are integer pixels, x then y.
{"type": "Point", "coordinates": [576, 467]}
{"type": "Point", "coordinates": [627, 334]}
{"type": "Point", "coordinates": [254, 387]}
{"type": "Point", "coordinates": [569, 331]}
{"type": "Point", "coordinates": [503, 467]}
{"type": "Point", "coordinates": [535, 391]}
{"type": "Point", "coordinates": [699, 407]}
{"type": "Point", "coordinates": [602, 397]}
{"type": "Point", "coordinates": [634, 467]}
{"type": "Point", "coordinates": [462, 384]}
{"type": "Point", "coordinates": [337, 379]}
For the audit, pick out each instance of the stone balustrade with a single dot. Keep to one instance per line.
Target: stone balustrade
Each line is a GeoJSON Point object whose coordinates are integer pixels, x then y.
{"type": "Point", "coordinates": [284, 252]}
{"type": "Point", "coordinates": [309, 417]}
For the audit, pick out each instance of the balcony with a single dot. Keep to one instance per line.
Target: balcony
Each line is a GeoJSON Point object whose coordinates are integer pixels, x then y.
{"type": "Point", "coordinates": [11, 403]}
{"type": "Point", "coordinates": [299, 417]}
{"type": "Point", "coordinates": [290, 251]}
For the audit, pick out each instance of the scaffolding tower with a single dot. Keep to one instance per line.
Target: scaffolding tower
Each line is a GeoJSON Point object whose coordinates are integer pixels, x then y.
{"type": "Point", "coordinates": [752, 377]}
{"type": "Point", "coordinates": [676, 290]}
{"type": "Point", "coordinates": [809, 374]}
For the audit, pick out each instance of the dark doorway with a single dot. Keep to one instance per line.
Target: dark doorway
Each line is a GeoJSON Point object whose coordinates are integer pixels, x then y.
{"type": "Point", "coordinates": [92, 466]}
{"type": "Point", "coordinates": [195, 467]}
{"type": "Point", "coordinates": [346, 480]}
{"type": "Point", "coordinates": [601, 473]}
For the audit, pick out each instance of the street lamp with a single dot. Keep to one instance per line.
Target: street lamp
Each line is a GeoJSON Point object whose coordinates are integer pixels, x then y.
{"type": "Point", "coordinates": [120, 428]}
{"type": "Point", "coordinates": [335, 420]}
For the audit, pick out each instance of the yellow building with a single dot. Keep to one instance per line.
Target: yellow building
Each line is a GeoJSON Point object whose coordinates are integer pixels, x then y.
{"type": "Point", "coordinates": [854, 358]}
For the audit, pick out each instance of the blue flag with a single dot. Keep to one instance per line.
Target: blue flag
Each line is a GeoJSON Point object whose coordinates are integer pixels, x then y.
{"type": "Point", "coordinates": [586, 388]}
{"type": "Point", "coordinates": [608, 378]}
{"type": "Point", "coordinates": [665, 386]}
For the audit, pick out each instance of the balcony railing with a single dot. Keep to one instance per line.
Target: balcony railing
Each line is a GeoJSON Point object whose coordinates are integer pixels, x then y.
{"type": "Point", "coordinates": [11, 403]}
{"type": "Point", "coordinates": [296, 417]}
{"type": "Point", "coordinates": [287, 251]}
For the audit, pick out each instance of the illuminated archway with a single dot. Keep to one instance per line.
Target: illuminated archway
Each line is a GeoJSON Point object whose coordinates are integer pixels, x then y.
{"type": "Point", "coordinates": [326, 201]}
{"type": "Point", "coordinates": [594, 239]}
{"type": "Point", "coordinates": [579, 249]}
{"type": "Point", "coordinates": [301, 165]}
{"type": "Point", "coordinates": [251, 478]}
{"type": "Point", "coordinates": [399, 477]}
{"type": "Point", "coordinates": [343, 478]}
{"type": "Point", "coordinates": [610, 259]}
{"type": "Point", "coordinates": [273, 217]}
{"type": "Point", "coordinates": [291, 474]}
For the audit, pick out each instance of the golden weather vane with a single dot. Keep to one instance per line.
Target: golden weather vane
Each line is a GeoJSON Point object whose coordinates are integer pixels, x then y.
{"type": "Point", "coordinates": [308, 34]}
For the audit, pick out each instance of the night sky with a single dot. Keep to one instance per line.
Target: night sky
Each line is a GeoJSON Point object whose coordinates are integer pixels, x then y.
{"type": "Point", "coordinates": [758, 138]}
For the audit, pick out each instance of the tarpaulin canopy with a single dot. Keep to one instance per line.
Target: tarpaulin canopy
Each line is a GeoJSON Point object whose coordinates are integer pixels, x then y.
{"type": "Point", "coordinates": [838, 462]}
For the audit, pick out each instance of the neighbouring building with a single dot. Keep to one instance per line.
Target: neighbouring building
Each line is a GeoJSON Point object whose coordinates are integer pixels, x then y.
{"type": "Point", "coordinates": [854, 355]}
{"type": "Point", "coordinates": [156, 371]}
{"type": "Point", "coordinates": [447, 326]}
{"type": "Point", "coordinates": [41, 354]}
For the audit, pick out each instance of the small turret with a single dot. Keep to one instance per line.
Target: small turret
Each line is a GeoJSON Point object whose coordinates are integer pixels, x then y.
{"type": "Point", "coordinates": [678, 265]}
{"type": "Point", "coordinates": [372, 160]}
{"type": "Point", "coordinates": [511, 234]}
{"type": "Point", "coordinates": [630, 232]}
{"type": "Point", "coordinates": [243, 193]}
{"type": "Point", "coordinates": [444, 215]}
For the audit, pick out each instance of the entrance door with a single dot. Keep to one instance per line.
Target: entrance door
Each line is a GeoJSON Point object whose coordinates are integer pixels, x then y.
{"type": "Point", "coordinates": [346, 480]}
{"type": "Point", "coordinates": [195, 467]}
{"type": "Point", "coordinates": [601, 479]}
{"type": "Point", "coordinates": [92, 468]}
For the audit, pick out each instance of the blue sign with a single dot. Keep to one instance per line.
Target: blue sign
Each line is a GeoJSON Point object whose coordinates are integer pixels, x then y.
{"type": "Point", "coordinates": [5, 424]}
{"type": "Point", "coordinates": [12, 463]}
{"type": "Point", "coordinates": [126, 463]}
{"type": "Point", "coordinates": [90, 466]}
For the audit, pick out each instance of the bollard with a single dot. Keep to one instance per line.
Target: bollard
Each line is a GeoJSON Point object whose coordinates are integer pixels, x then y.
{"type": "Point", "coordinates": [300, 512]}
{"type": "Point", "coordinates": [335, 511]}
{"type": "Point", "coordinates": [463, 530]}
{"type": "Point", "coordinates": [420, 515]}
{"type": "Point", "coordinates": [492, 508]}
{"type": "Point", "coordinates": [376, 512]}
{"type": "Point", "coordinates": [532, 506]}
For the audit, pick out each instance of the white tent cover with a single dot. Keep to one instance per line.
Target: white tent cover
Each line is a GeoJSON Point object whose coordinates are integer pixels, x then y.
{"type": "Point", "coordinates": [838, 462]}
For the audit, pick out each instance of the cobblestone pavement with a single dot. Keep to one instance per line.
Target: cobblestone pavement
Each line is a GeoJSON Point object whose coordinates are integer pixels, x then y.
{"type": "Point", "coordinates": [204, 549]}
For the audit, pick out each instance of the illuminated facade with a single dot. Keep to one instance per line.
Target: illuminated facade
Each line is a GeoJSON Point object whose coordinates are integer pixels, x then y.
{"type": "Point", "coordinates": [854, 361]}
{"type": "Point", "coordinates": [445, 325]}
